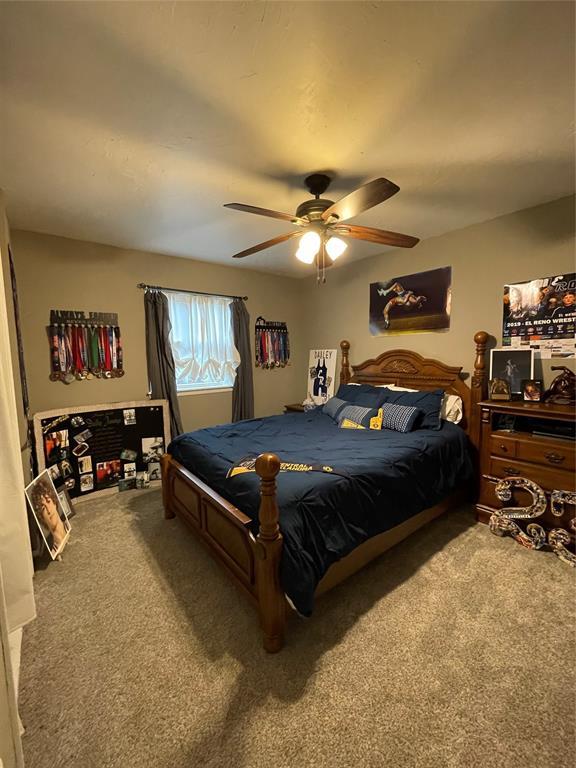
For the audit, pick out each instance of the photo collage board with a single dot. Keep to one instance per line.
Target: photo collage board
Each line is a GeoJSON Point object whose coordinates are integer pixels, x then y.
{"type": "Point", "coordinates": [93, 449]}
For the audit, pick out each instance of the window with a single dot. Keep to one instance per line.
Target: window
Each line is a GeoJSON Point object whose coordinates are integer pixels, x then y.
{"type": "Point", "coordinates": [202, 341]}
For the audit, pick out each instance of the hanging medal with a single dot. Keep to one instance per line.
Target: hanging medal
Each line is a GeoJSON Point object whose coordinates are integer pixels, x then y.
{"type": "Point", "coordinates": [77, 365]}
{"type": "Point", "coordinates": [68, 375]}
{"type": "Point", "coordinates": [119, 353]}
{"type": "Point", "coordinates": [54, 353]}
{"type": "Point", "coordinates": [82, 351]}
{"type": "Point", "coordinates": [101, 359]}
{"type": "Point", "coordinates": [107, 352]}
{"type": "Point", "coordinates": [113, 350]}
{"type": "Point", "coordinates": [62, 351]}
{"type": "Point", "coordinates": [95, 351]}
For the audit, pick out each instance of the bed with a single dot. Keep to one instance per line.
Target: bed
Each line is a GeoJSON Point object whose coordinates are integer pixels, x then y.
{"type": "Point", "coordinates": [286, 540]}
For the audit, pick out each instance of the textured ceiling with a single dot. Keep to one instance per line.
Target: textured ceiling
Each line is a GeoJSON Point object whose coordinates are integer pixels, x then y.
{"type": "Point", "coordinates": [132, 123]}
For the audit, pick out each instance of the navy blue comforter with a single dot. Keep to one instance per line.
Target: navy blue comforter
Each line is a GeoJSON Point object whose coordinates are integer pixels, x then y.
{"type": "Point", "coordinates": [390, 477]}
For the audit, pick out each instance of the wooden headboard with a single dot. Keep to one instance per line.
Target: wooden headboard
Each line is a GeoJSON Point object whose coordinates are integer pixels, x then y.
{"type": "Point", "coordinates": [409, 369]}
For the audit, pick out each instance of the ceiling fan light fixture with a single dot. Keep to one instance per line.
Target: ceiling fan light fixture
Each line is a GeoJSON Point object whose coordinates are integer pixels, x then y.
{"type": "Point", "coordinates": [304, 256]}
{"type": "Point", "coordinates": [335, 247]}
{"type": "Point", "coordinates": [309, 247]}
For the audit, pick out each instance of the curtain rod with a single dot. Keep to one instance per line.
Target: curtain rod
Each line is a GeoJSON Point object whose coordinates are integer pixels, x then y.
{"type": "Point", "coordinates": [145, 287]}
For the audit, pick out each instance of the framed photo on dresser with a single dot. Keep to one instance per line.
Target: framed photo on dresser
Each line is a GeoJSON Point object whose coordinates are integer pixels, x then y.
{"type": "Point", "coordinates": [532, 390]}
{"type": "Point", "coordinates": [512, 365]}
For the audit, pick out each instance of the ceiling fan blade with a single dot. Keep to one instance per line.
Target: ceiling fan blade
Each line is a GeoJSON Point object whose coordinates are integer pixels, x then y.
{"type": "Point", "coordinates": [381, 236]}
{"type": "Point", "coordinates": [266, 212]}
{"type": "Point", "coordinates": [267, 244]}
{"type": "Point", "coordinates": [363, 198]}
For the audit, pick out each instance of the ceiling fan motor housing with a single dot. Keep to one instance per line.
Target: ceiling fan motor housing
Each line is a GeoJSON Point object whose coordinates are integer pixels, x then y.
{"type": "Point", "coordinates": [313, 209]}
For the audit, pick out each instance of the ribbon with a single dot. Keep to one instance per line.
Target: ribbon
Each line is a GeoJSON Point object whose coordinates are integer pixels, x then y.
{"type": "Point", "coordinates": [248, 464]}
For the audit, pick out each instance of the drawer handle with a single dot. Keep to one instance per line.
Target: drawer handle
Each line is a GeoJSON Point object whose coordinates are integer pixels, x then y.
{"type": "Point", "coordinates": [503, 448]}
{"type": "Point", "coordinates": [554, 458]}
{"type": "Point", "coordinates": [511, 471]}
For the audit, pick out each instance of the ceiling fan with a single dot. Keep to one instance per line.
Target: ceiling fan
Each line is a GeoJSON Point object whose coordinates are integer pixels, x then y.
{"type": "Point", "coordinates": [321, 224]}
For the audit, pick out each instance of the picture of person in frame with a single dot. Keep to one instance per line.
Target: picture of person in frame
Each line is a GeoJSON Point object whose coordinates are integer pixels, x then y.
{"type": "Point", "coordinates": [532, 390]}
{"type": "Point", "coordinates": [48, 512]}
{"type": "Point", "coordinates": [56, 446]}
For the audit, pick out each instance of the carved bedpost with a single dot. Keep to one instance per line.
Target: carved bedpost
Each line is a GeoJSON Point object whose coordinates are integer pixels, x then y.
{"type": "Point", "coordinates": [271, 600]}
{"type": "Point", "coordinates": [479, 385]}
{"type": "Point", "coordinates": [165, 467]}
{"type": "Point", "coordinates": [344, 366]}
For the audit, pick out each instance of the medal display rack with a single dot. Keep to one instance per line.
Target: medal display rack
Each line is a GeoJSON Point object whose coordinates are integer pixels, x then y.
{"type": "Point", "coordinates": [84, 347]}
{"type": "Point", "coordinates": [272, 344]}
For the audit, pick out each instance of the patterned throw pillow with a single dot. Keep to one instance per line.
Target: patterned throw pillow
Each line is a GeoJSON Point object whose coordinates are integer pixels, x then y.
{"type": "Point", "coordinates": [333, 406]}
{"type": "Point", "coordinates": [400, 418]}
{"type": "Point", "coordinates": [359, 414]}
{"type": "Point", "coordinates": [428, 402]}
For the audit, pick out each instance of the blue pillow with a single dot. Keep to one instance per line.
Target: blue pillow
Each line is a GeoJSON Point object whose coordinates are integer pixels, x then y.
{"type": "Point", "coordinates": [362, 394]}
{"type": "Point", "coordinates": [357, 413]}
{"type": "Point", "coordinates": [429, 403]}
{"type": "Point", "coordinates": [400, 418]}
{"type": "Point", "coordinates": [333, 406]}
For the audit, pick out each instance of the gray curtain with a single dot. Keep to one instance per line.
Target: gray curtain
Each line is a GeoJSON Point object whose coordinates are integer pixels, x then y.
{"type": "Point", "coordinates": [243, 392]}
{"type": "Point", "coordinates": [161, 370]}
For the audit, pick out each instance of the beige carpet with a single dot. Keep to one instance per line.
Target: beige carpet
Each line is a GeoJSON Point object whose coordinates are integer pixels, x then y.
{"type": "Point", "coordinates": [454, 650]}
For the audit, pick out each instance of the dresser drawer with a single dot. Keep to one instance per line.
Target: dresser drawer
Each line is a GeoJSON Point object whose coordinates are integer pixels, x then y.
{"type": "Point", "coordinates": [546, 453]}
{"type": "Point", "coordinates": [502, 446]}
{"type": "Point", "coordinates": [548, 478]}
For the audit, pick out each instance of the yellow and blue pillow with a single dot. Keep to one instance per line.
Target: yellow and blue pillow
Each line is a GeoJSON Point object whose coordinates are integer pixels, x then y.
{"type": "Point", "coordinates": [399, 418]}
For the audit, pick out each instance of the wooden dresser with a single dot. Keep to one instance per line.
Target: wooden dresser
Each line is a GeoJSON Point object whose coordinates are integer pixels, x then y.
{"type": "Point", "coordinates": [509, 447]}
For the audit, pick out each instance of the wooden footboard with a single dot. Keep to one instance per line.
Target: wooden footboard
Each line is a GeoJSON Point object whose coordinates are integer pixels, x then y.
{"type": "Point", "coordinates": [252, 561]}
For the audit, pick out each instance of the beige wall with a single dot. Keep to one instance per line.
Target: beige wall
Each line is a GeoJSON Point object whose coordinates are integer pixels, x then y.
{"type": "Point", "coordinates": [59, 273]}
{"type": "Point", "coordinates": [535, 242]}
{"type": "Point", "coordinates": [55, 272]}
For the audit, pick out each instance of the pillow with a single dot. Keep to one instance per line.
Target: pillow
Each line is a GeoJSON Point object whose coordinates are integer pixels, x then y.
{"type": "Point", "coordinates": [358, 414]}
{"type": "Point", "coordinates": [428, 402]}
{"type": "Point", "coordinates": [452, 409]}
{"type": "Point", "coordinates": [400, 418]}
{"type": "Point", "coordinates": [451, 404]}
{"type": "Point", "coordinates": [332, 406]}
{"type": "Point", "coordinates": [361, 394]}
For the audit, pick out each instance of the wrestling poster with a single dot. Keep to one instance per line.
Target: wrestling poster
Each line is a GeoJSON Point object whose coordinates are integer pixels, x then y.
{"type": "Point", "coordinates": [541, 315]}
{"type": "Point", "coordinates": [321, 375]}
{"type": "Point", "coordinates": [412, 303]}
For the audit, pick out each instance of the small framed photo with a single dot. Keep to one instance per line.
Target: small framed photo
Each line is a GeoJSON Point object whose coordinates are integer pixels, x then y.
{"type": "Point", "coordinates": [512, 365]}
{"type": "Point", "coordinates": [49, 513]}
{"type": "Point", "coordinates": [499, 389]}
{"type": "Point", "coordinates": [532, 390]}
{"type": "Point", "coordinates": [66, 502]}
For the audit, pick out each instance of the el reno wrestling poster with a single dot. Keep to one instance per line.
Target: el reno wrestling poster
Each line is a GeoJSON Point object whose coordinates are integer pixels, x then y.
{"type": "Point", "coordinates": [541, 315]}
{"type": "Point", "coordinates": [411, 303]}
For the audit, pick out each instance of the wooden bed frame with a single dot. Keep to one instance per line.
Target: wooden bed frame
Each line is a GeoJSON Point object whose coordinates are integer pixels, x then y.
{"type": "Point", "coordinates": [253, 561]}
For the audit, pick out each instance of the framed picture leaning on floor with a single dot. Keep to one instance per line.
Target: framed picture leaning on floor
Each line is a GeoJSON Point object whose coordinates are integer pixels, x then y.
{"type": "Point", "coordinates": [49, 513]}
